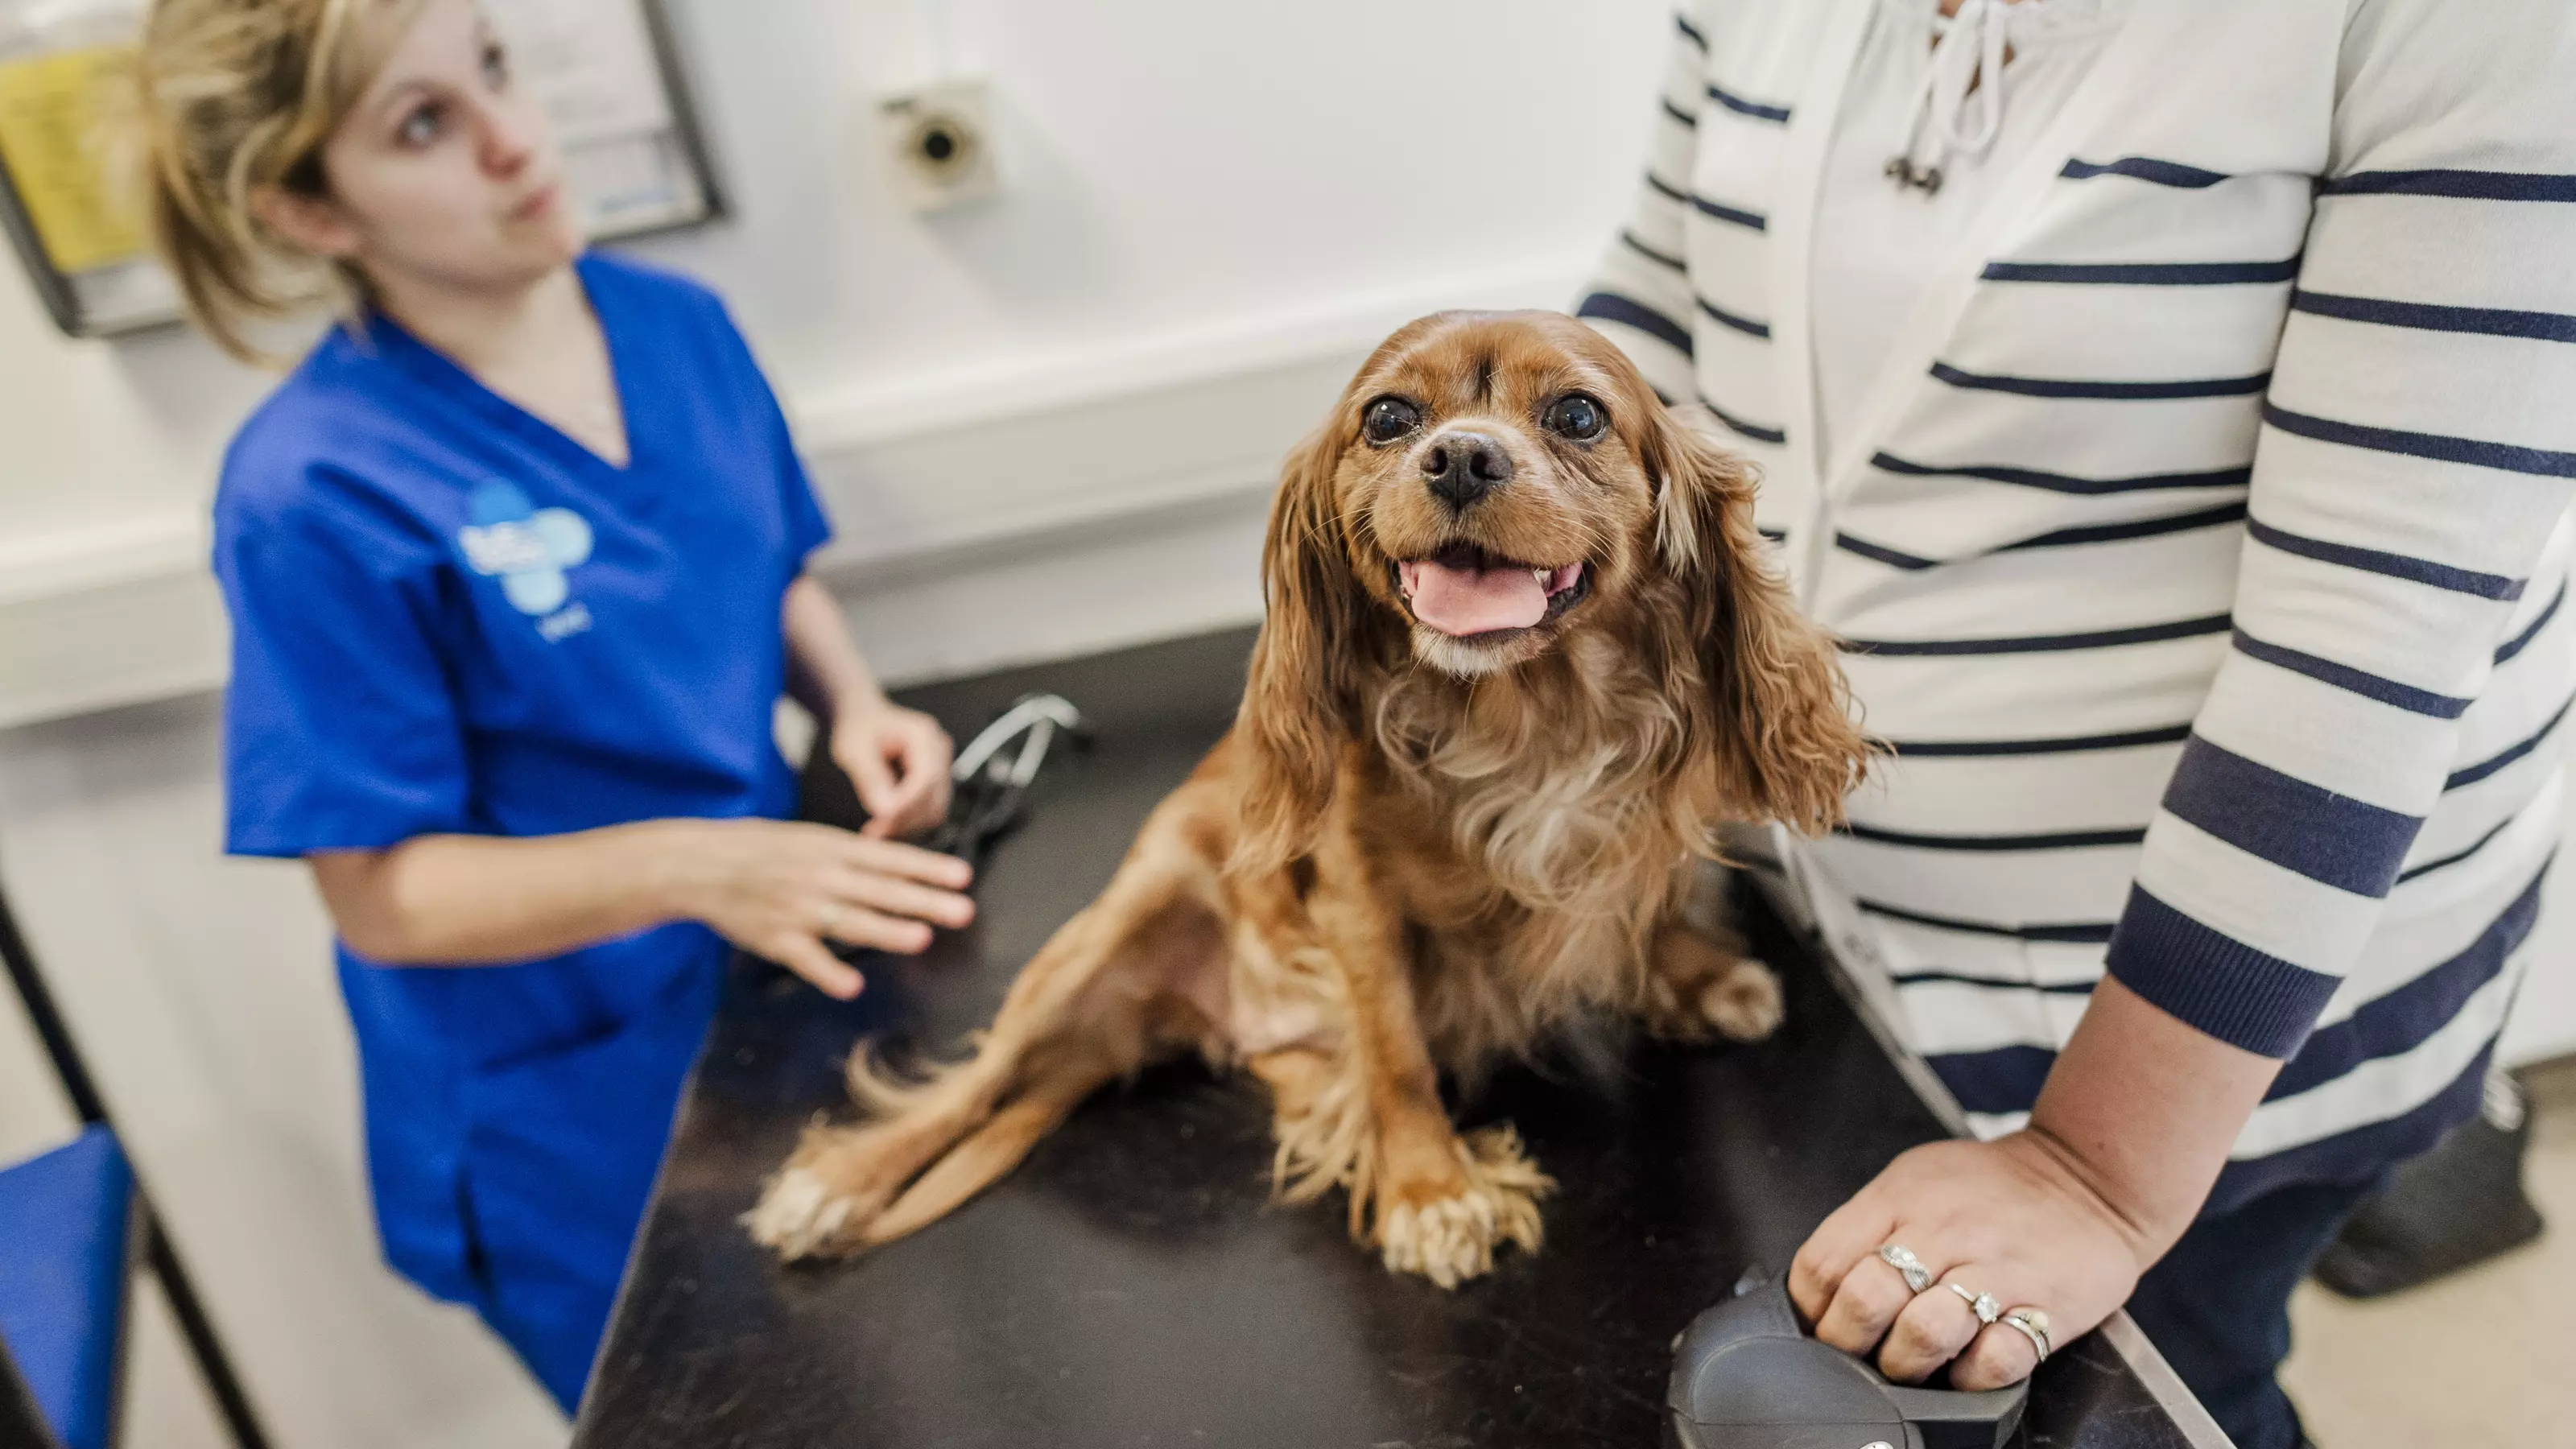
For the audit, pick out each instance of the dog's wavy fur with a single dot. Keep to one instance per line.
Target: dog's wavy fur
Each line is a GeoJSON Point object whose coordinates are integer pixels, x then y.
{"type": "Point", "coordinates": [1413, 853]}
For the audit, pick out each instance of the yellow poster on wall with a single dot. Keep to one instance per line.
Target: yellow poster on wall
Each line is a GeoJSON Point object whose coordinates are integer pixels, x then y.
{"type": "Point", "coordinates": [56, 113]}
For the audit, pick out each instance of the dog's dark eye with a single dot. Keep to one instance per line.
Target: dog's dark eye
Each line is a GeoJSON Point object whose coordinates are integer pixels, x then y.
{"type": "Point", "coordinates": [1390, 418]}
{"type": "Point", "coordinates": [1575, 416]}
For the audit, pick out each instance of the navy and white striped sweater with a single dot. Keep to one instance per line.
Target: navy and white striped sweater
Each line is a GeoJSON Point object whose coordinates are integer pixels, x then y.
{"type": "Point", "coordinates": [2204, 548]}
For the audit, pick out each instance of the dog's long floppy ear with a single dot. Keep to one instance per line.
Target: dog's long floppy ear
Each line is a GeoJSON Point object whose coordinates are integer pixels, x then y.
{"type": "Point", "coordinates": [1767, 701]}
{"type": "Point", "coordinates": [1301, 697]}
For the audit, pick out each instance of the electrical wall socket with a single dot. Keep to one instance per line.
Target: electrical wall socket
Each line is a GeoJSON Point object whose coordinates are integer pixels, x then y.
{"type": "Point", "coordinates": [938, 142]}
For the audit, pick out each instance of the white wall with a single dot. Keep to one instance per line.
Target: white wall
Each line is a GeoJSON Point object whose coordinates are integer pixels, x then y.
{"type": "Point", "coordinates": [1209, 212]}
{"type": "Point", "coordinates": [1044, 426]}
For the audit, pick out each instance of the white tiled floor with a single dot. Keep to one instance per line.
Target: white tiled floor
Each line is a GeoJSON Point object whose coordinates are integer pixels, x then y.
{"type": "Point", "coordinates": [2485, 1360]}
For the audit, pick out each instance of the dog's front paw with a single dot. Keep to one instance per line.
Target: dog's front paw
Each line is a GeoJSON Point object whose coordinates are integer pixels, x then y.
{"type": "Point", "coordinates": [799, 1216]}
{"type": "Point", "coordinates": [820, 1204]}
{"type": "Point", "coordinates": [1744, 1004]}
{"type": "Point", "coordinates": [1448, 1233]}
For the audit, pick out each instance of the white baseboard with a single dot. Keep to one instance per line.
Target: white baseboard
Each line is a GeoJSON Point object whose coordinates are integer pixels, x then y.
{"type": "Point", "coordinates": [974, 470]}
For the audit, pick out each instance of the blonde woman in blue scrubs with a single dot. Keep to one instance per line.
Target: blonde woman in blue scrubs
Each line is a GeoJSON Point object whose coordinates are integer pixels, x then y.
{"type": "Point", "coordinates": [515, 566]}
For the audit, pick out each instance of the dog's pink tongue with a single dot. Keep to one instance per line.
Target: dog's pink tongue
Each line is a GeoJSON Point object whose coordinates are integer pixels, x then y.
{"type": "Point", "coordinates": [1460, 602]}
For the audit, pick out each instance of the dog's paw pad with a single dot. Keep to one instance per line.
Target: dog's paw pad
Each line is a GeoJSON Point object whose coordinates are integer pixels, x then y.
{"type": "Point", "coordinates": [1448, 1241]}
{"type": "Point", "coordinates": [1745, 1003]}
{"type": "Point", "coordinates": [800, 1216]}
{"type": "Point", "coordinates": [1452, 1239]}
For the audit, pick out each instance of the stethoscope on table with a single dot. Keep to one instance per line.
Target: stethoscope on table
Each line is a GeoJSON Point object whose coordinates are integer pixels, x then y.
{"type": "Point", "coordinates": [989, 781]}
{"type": "Point", "coordinates": [991, 776]}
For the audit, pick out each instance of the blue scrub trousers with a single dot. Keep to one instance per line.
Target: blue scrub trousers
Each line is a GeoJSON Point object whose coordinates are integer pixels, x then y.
{"type": "Point", "coordinates": [561, 1153]}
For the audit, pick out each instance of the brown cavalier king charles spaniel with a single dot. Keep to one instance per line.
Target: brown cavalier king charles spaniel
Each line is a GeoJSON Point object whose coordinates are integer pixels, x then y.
{"type": "Point", "coordinates": [1523, 655]}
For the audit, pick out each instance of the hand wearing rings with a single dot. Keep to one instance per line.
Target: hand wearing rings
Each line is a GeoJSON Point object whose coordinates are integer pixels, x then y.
{"type": "Point", "coordinates": [2014, 1221]}
{"type": "Point", "coordinates": [1909, 1267]}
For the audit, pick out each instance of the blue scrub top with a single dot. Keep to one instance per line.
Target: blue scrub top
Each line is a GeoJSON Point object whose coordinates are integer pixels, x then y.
{"type": "Point", "coordinates": [449, 617]}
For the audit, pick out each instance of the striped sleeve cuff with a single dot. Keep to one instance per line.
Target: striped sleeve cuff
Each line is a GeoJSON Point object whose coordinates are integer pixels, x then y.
{"type": "Point", "coordinates": [1607, 306]}
{"type": "Point", "coordinates": [2213, 982]}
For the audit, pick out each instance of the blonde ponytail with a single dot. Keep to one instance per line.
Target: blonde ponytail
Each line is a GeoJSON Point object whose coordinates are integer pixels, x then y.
{"type": "Point", "coordinates": [238, 95]}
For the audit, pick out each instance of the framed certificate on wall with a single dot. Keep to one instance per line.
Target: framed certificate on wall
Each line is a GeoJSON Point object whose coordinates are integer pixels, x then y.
{"type": "Point", "coordinates": [606, 71]}
{"type": "Point", "coordinates": [610, 77]}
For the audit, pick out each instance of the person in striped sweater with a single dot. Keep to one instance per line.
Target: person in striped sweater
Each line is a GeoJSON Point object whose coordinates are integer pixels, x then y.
{"type": "Point", "coordinates": [2171, 403]}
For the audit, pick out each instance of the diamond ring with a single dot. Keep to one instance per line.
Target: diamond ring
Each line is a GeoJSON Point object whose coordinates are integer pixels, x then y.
{"type": "Point", "coordinates": [1909, 1267]}
{"type": "Point", "coordinates": [1981, 1304]}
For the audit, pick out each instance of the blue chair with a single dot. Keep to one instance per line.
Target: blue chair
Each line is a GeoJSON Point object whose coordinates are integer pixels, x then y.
{"type": "Point", "coordinates": [72, 1224]}
{"type": "Point", "coordinates": [63, 1270]}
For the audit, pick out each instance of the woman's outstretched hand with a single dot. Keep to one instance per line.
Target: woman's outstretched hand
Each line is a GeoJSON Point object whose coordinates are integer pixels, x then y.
{"type": "Point", "coordinates": [777, 888]}
{"type": "Point", "coordinates": [781, 889]}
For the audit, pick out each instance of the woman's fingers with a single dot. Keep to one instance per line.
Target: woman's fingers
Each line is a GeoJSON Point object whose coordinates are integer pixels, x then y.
{"type": "Point", "coordinates": [904, 809]}
{"type": "Point", "coordinates": [876, 931]}
{"type": "Point", "coordinates": [911, 862]}
{"type": "Point", "coordinates": [931, 759]}
{"type": "Point", "coordinates": [896, 896]}
{"type": "Point", "coordinates": [1931, 1331]}
{"type": "Point", "coordinates": [898, 760]}
{"type": "Point", "coordinates": [896, 807]}
{"type": "Point", "coordinates": [934, 807]}
{"type": "Point", "coordinates": [1998, 1356]}
{"type": "Point", "coordinates": [924, 754]}
{"type": "Point", "coordinates": [923, 810]}
{"type": "Point", "coordinates": [859, 753]}
{"type": "Point", "coordinates": [808, 957]}
{"type": "Point", "coordinates": [1845, 1243]}
{"type": "Point", "coordinates": [781, 888]}
{"type": "Point", "coordinates": [1864, 1307]}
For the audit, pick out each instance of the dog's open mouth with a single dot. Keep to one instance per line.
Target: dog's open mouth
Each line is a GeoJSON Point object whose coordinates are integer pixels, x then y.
{"type": "Point", "coordinates": [1465, 592]}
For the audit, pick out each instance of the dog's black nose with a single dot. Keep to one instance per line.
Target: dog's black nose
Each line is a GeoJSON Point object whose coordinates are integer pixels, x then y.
{"type": "Point", "coordinates": [1460, 468]}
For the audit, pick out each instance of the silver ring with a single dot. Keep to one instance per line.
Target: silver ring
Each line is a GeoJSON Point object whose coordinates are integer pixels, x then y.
{"type": "Point", "coordinates": [1981, 1304]}
{"type": "Point", "coordinates": [827, 918]}
{"type": "Point", "coordinates": [2033, 1325]}
{"type": "Point", "coordinates": [1909, 1267]}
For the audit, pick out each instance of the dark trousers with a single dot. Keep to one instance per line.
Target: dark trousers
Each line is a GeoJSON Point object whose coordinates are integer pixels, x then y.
{"type": "Point", "coordinates": [2218, 1305]}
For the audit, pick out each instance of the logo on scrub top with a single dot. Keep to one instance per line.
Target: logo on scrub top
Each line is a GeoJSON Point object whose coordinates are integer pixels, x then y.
{"type": "Point", "coordinates": [527, 548]}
